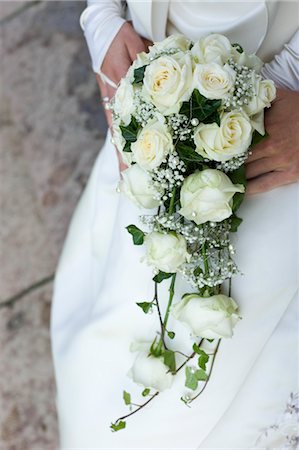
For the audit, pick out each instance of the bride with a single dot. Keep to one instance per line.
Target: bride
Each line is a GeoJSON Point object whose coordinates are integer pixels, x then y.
{"type": "Point", "coordinates": [250, 400]}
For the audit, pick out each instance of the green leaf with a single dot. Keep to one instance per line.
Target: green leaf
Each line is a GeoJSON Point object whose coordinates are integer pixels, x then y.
{"type": "Point", "coordinates": [238, 176]}
{"type": "Point", "coordinates": [238, 47]}
{"type": "Point", "coordinates": [129, 133]}
{"type": "Point", "coordinates": [257, 138]}
{"type": "Point", "coordinates": [169, 359]}
{"type": "Point", "coordinates": [196, 348]}
{"type": "Point", "coordinates": [235, 222]}
{"type": "Point", "coordinates": [191, 379]}
{"type": "Point", "coordinates": [127, 398]}
{"type": "Point", "coordinates": [139, 74]}
{"type": "Point", "coordinates": [202, 360]}
{"type": "Point", "coordinates": [237, 201]}
{"type": "Point", "coordinates": [213, 118]}
{"type": "Point", "coordinates": [162, 276]}
{"type": "Point", "coordinates": [127, 147]}
{"type": "Point", "coordinates": [145, 392]}
{"type": "Point", "coordinates": [171, 334]}
{"type": "Point", "coordinates": [156, 350]}
{"type": "Point", "coordinates": [187, 153]}
{"type": "Point", "coordinates": [199, 106]}
{"type": "Point", "coordinates": [197, 271]}
{"type": "Point", "coordinates": [118, 425]}
{"type": "Point", "coordinates": [137, 234]}
{"type": "Point", "coordinates": [201, 375]}
{"type": "Point", "coordinates": [145, 306]}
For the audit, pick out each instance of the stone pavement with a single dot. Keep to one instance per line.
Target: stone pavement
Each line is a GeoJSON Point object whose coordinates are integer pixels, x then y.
{"type": "Point", "coordinates": [51, 129]}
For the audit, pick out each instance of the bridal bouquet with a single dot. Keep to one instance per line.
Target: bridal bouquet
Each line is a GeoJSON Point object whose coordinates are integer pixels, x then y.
{"type": "Point", "coordinates": [186, 116]}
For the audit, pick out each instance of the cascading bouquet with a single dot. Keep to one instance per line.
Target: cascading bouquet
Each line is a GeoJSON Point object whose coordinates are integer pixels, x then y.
{"type": "Point", "coordinates": [185, 118]}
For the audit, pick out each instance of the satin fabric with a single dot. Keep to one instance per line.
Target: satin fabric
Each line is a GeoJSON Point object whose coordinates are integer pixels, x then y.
{"type": "Point", "coordinates": [94, 320]}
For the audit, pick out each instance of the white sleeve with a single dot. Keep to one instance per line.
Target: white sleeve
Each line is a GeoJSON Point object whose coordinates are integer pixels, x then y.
{"type": "Point", "coordinates": [101, 21]}
{"type": "Point", "coordinates": [284, 68]}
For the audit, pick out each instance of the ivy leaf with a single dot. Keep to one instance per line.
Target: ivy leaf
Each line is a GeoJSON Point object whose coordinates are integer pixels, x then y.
{"type": "Point", "coordinates": [238, 176]}
{"type": "Point", "coordinates": [129, 133]}
{"type": "Point", "coordinates": [257, 138]}
{"type": "Point", "coordinates": [196, 348]}
{"type": "Point", "coordinates": [187, 153]}
{"type": "Point", "coordinates": [145, 306]}
{"type": "Point", "coordinates": [127, 398]}
{"type": "Point", "coordinates": [118, 425]}
{"type": "Point", "coordinates": [201, 375]}
{"type": "Point", "coordinates": [203, 359]}
{"type": "Point", "coordinates": [199, 106]}
{"type": "Point", "coordinates": [139, 74]}
{"type": "Point", "coordinates": [171, 334]}
{"type": "Point", "coordinates": [238, 47]}
{"type": "Point", "coordinates": [215, 117]}
{"type": "Point", "coordinates": [137, 234]}
{"type": "Point", "coordinates": [235, 222]}
{"type": "Point", "coordinates": [169, 360]}
{"type": "Point", "coordinates": [145, 392]}
{"type": "Point", "coordinates": [162, 276]}
{"type": "Point", "coordinates": [191, 379]}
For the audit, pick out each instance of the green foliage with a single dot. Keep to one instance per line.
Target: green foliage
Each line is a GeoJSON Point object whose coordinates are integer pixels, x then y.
{"type": "Point", "coordinates": [203, 356]}
{"type": "Point", "coordinates": [137, 234]}
{"type": "Point", "coordinates": [139, 74]}
{"type": "Point", "coordinates": [171, 334]}
{"type": "Point", "coordinates": [145, 306]}
{"type": "Point", "coordinates": [129, 133]}
{"type": "Point", "coordinates": [156, 349]}
{"type": "Point", "coordinates": [127, 398]}
{"type": "Point", "coordinates": [169, 359]}
{"type": "Point", "coordinates": [238, 47]}
{"type": "Point", "coordinates": [197, 271]}
{"type": "Point", "coordinates": [145, 392]}
{"type": "Point", "coordinates": [199, 107]}
{"type": "Point", "coordinates": [120, 425]}
{"type": "Point", "coordinates": [193, 377]}
{"type": "Point", "coordinates": [162, 276]}
{"type": "Point", "coordinates": [235, 222]}
{"type": "Point", "coordinates": [238, 176]}
{"type": "Point", "coordinates": [187, 152]}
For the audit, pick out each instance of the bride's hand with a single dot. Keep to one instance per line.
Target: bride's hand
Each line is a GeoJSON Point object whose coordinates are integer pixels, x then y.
{"type": "Point", "coordinates": [119, 57]}
{"type": "Point", "coordinates": [275, 161]}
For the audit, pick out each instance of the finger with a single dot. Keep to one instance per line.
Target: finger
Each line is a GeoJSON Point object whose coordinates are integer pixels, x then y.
{"type": "Point", "coordinates": [260, 167]}
{"type": "Point", "coordinates": [147, 43]}
{"type": "Point", "coordinates": [266, 182]}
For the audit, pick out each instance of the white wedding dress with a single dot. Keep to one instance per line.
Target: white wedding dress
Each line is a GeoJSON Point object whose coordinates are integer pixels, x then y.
{"type": "Point", "coordinates": [95, 318]}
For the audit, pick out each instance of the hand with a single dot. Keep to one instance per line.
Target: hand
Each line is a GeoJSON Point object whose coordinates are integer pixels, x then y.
{"type": "Point", "coordinates": [275, 161]}
{"type": "Point", "coordinates": [121, 53]}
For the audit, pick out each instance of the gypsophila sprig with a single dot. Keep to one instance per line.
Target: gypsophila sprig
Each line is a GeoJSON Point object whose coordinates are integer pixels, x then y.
{"type": "Point", "coordinates": [185, 119]}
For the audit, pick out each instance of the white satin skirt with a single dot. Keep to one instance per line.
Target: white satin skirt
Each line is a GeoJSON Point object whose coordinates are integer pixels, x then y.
{"type": "Point", "coordinates": [95, 318]}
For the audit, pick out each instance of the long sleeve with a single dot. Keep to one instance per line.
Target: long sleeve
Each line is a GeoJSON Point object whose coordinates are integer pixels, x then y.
{"type": "Point", "coordinates": [101, 21]}
{"type": "Point", "coordinates": [284, 68]}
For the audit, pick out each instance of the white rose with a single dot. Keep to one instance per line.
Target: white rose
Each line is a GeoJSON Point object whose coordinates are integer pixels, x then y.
{"type": "Point", "coordinates": [123, 101]}
{"type": "Point", "coordinates": [232, 138]}
{"type": "Point", "coordinates": [179, 42]}
{"type": "Point", "coordinates": [211, 318]}
{"type": "Point", "coordinates": [137, 186]}
{"type": "Point", "coordinates": [264, 94]}
{"type": "Point", "coordinates": [214, 47]}
{"type": "Point", "coordinates": [167, 252]}
{"type": "Point", "coordinates": [151, 372]}
{"type": "Point", "coordinates": [243, 59]}
{"type": "Point", "coordinates": [168, 82]}
{"type": "Point", "coordinates": [154, 143]}
{"type": "Point", "coordinates": [207, 196]}
{"type": "Point", "coordinates": [214, 81]}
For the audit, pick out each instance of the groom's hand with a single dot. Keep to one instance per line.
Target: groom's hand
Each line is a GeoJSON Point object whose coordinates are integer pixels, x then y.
{"type": "Point", "coordinates": [119, 57]}
{"type": "Point", "coordinates": [275, 161]}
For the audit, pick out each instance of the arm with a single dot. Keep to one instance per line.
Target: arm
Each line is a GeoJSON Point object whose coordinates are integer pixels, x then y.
{"type": "Point", "coordinates": [275, 162]}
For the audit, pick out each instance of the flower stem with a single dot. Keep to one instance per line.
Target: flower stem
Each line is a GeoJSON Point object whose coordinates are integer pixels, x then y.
{"type": "Point", "coordinates": [172, 201]}
{"type": "Point", "coordinates": [159, 314]}
{"type": "Point", "coordinates": [138, 409]}
{"type": "Point", "coordinates": [171, 294]}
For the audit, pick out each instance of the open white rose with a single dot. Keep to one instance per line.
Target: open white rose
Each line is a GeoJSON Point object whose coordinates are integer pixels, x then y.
{"type": "Point", "coordinates": [137, 186]}
{"type": "Point", "coordinates": [151, 372]}
{"type": "Point", "coordinates": [207, 196]}
{"type": "Point", "coordinates": [214, 47]}
{"type": "Point", "coordinates": [211, 318]}
{"type": "Point", "coordinates": [168, 82]}
{"type": "Point", "coordinates": [167, 252]}
{"type": "Point", "coordinates": [214, 81]}
{"type": "Point", "coordinates": [232, 138]}
{"type": "Point", "coordinates": [123, 101]}
{"type": "Point", "coordinates": [154, 143]}
{"type": "Point", "coordinates": [179, 42]}
{"type": "Point", "coordinates": [265, 93]}
{"type": "Point", "coordinates": [243, 59]}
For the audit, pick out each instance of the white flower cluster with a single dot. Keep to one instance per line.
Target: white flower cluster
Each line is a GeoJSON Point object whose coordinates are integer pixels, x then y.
{"type": "Point", "coordinates": [184, 118]}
